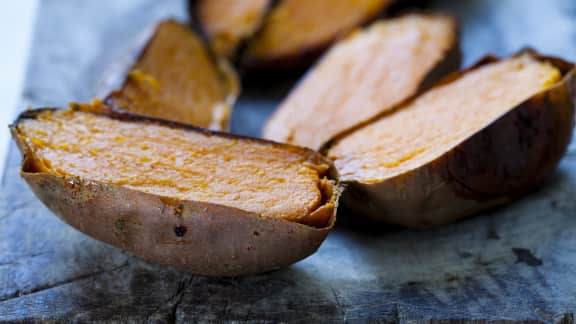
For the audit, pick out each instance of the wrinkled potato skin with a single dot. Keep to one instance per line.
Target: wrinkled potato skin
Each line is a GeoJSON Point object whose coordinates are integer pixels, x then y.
{"type": "Point", "coordinates": [507, 159]}
{"type": "Point", "coordinates": [197, 237]}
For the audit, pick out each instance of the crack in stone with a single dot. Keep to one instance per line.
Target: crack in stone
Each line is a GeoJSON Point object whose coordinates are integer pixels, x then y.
{"type": "Point", "coordinates": [19, 294]}
{"type": "Point", "coordinates": [173, 302]}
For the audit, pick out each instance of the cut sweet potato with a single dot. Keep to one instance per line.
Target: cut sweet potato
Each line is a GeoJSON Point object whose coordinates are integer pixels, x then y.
{"type": "Point", "coordinates": [364, 75]}
{"type": "Point", "coordinates": [177, 78]}
{"type": "Point", "coordinates": [480, 138]}
{"type": "Point", "coordinates": [296, 31]}
{"type": "Point", "coordinates": [229, 23]}
{"type": "Point", "coordinates": [209, 203]}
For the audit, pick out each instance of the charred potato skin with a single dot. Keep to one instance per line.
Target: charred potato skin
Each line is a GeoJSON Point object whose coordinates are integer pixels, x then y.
{"type": "Point", "coordinates": [510, 157]}
{"type": "Point", "coordinates": [197, 237]}
{"type": "Point", "coordinates": [118, 74]}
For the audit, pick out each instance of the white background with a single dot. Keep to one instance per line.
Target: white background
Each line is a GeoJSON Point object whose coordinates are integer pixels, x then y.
{"type": "Point", "coordinates": [16, 30]}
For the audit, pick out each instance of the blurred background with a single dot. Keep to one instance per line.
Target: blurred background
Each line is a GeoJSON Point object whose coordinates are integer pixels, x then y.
{"type": "Point", "coordinates": [16, 29]}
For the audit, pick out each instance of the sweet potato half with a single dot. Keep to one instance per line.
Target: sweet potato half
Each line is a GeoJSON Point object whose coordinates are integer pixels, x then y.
{"type": "Point", "coordinates": [205, 202]}
{"type": "Point", "coordinates": [364, 75]}
{"type": "Point", "coordinates": [228, 23]}
{"type": "Point", "coordinates": [176, 77]}
{"type": "Point", "coordinates": [479, 138]}
{"type": "Point", "coordinates": [297, 31]}
{"type": "Point", "coordinates": [280, 34]}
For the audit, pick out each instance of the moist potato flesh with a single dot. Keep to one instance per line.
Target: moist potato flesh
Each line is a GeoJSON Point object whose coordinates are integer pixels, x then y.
{"type": "Point", "coordinates": [175, 79]}
{"type": "Point", "coordinates": [300, 25]}
{"type": "Point", "coordinates": [268, 179]}
{"type": "Point", "coordinates": [228, 22]}
{"type": "Point", "coordinates": [435, 122]}
{"type": "Point", "coordinates": [362, 76]}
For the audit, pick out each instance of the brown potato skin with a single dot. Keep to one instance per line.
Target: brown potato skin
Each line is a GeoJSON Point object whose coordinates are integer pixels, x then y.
{"type": "Point", "coordinates": [117, 75]}
{"type": "Point", "coordinates": [507, 159]}
{"type": "Point", "coordinates": [197, 237]}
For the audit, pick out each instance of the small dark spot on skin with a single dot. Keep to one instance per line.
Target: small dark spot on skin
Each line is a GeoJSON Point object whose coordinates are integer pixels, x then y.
{"type": "Point", "coordinates": [526, 256]}
{"type": "Point", "coordinates": [250, 248]}
{"type": "Point", "coordinates": [256, 233]}
{"type": "Point", "coordinates": [120, 225]}
{"type": "Point", "coordinates": [180, 230]}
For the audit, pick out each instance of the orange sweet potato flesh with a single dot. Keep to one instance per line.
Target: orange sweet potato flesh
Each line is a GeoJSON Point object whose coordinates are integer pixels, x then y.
{"type": "Point", "coordinates": [364, 75]}
{"type": "Point", "coordinates": [228, 23]}
{"type": "Point", "coordinates": [177, 78]}
{"type": "Point", "coordinates": [479, 138]}
{"type": "Point", "coordinates": [296, 28]}
{"type": "Point", "coordinates": [438, 120]}
{"type": "Point", "coordinates": [269, 180]}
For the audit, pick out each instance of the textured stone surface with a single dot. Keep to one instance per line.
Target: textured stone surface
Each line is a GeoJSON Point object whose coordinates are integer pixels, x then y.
{"type": "Point", "coordinates": [513, 263]}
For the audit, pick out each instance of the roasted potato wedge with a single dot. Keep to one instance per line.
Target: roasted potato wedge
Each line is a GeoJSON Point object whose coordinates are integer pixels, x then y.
{"type": "Point", "coordinates": [175, 77]}
{"type": "Point", "coordinates": [364, 75]}
{"type": "Point", "coordinates": [205, 202]}
{"type": "Point", "coordinates": [228, 24]}
{"type": "Point", "coordinates": [292, 34]}
{"type": "Point", "coordinates": [477, 139]}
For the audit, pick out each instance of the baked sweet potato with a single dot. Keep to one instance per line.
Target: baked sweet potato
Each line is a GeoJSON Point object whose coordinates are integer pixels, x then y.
{"type": "Point", "coordinates": [296, 31]}
{"type": "Point", "coordinates": [176, 77]}
{"type": "Point", "coordinates": [228, 24]}
{"type": "Point", "coordinates": [280, 34]}
{"type": "Point", "coordinates": [477, 139]}
{"type": "Point", "coordinates": [364, 75]}
{"type": "Point", "coordinates": [205, 202]}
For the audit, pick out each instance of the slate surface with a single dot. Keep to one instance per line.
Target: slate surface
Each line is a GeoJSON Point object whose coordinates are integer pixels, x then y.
{"type": "Point", "coordinates": [515, 263]}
